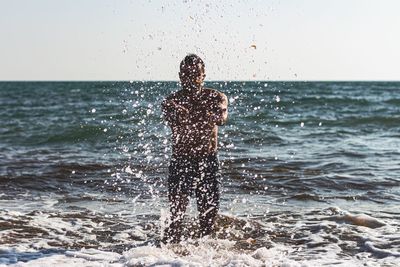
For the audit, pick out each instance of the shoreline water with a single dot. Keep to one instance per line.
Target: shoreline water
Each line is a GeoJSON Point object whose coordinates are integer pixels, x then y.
{"type": "Point", "coordinates": [83, 167]}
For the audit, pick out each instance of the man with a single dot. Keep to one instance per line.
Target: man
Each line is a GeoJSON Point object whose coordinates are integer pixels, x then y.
{"type": "Point", "coordinates": [194, 114]}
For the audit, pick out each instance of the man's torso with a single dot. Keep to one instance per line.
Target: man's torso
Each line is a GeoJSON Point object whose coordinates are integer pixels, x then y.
{"type": "Point", "coordinates": [196, 136]}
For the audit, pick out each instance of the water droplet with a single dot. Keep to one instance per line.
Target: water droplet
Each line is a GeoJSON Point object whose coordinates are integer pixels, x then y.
{"type": "Point", "coordinates": [302, 124]}
{"type": "Point", "coordinates": [128, 170]}
{"type": "Point", "coordinates": [93, 110]}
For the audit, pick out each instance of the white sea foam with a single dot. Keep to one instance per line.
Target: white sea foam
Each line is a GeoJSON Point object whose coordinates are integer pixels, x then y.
{"type": "Point", "coordinates": [381, 252]}
{"type": "Point", "coordinates": [284, 240]}
{"type": "Point", "coordinates": [206, 254]}
{"type": "Point", "coordinates": [209, 253]}
{"type": "Point", "coordinates": [63, 261]}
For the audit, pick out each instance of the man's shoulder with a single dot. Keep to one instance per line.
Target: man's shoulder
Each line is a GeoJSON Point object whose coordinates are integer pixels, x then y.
{"type": "Point", "coordinates": [174, 95]}
{"type": "Point", "coordinates": [214, 93]}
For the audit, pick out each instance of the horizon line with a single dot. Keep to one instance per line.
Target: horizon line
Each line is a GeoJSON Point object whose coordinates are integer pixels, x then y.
{"type": "Point", "coordinates": [138, 81]}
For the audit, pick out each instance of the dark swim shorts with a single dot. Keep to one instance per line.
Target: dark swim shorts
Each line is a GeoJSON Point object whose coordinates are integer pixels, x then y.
{"type": "Point", "coordinates": [193, 176]}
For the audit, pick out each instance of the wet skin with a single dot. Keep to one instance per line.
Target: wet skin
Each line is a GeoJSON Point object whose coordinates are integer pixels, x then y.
{"type": "Point", "coordinates": [194, 114]}
{"type": "Point", "coordinates": [194, 117]}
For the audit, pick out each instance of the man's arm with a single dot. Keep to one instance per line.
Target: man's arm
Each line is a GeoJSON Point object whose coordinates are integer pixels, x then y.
{"type": "Point", "coordinates": [219, 114]}
{"type": "Point", "coordinates": [224, 110]}
{"type": "Point", "coordinates": [173, 113]}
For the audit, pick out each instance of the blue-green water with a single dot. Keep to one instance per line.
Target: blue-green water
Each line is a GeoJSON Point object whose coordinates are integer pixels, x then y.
{"type": "Point", "coordinates": [291, 154]}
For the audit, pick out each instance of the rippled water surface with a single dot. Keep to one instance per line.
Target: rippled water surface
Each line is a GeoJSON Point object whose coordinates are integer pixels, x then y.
{"type": "Point", "coordinates": [310, 175]}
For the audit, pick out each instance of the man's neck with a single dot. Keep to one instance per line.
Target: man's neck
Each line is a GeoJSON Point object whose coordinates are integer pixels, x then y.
{"type": "Point", "coordinates": [192, 89]}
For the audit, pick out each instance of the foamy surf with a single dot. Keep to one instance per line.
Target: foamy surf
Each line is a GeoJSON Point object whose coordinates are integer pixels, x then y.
{"type": "Point", "coordinates": [320, 239]}
{"type": "Point", "coordinates": [207, 253]}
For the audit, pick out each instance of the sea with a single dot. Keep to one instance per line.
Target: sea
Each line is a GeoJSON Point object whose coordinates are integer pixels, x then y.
{"type": "Point", "coordinates": [310, 175]}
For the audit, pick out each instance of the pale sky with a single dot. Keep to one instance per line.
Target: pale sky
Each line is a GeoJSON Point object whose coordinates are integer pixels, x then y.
{"type": "Point", "coordinates": [146, 40]}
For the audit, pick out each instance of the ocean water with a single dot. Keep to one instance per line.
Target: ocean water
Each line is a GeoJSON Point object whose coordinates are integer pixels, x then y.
{"type": "Point", "coordinates": [310, 175]}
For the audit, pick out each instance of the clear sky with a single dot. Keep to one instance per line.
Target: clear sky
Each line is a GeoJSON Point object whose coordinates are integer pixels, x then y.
{"type": "Point", "coordinates": [238, 39]}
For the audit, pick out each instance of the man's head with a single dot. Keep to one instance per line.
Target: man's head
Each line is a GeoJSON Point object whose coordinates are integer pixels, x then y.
{"type": "Point", "coordinates": [192, 72]}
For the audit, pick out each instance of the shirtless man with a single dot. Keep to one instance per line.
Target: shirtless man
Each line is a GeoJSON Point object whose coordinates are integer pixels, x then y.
{"type": "Point", "coordinates": [194, 114]}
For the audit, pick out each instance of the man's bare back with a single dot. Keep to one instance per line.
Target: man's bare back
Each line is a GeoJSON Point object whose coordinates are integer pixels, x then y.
{"type": "Point", "coordinates": [194, 119]}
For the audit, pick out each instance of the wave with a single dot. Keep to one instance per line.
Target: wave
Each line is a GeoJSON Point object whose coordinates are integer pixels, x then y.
{"type": "Point", "coordinates": [326, 102]}
{"type": "Point", "coordinates": [75, 134]}
{"type": "Point", "coordinates": [349, 122]}
{"type": "Point", "coordinates": [394, 101]}
{"type": "Point", "coordinates": [358, 219]}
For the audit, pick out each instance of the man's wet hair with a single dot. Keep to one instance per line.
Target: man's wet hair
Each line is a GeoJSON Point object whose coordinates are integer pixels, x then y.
{"type": "Point", "coordinates": [189, 61]}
